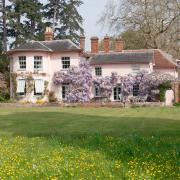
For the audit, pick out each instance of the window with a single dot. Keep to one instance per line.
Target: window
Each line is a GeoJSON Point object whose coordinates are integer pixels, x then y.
{"type": "Point", "coordinates": [136, 90]}
{"type": "Point", "coordinates": [65, 62]}
{"type": "Point", "coordinates": [38, 87]}
{"type": "Point", "coordinates": [21, 87]}
{"type": "Point", "coordinates": [38, 62]}
{"type": "Point", "coordinates": [97, 91]}
{"type": "Point", "coordinates": [136, 68]}
{"type": "Point", "coordinates": [117, 92]}
{"type": "Point", "coordinates": [22, 62]}
{"type": "Point", "coordinates": [65, 91]}
{"type": "Point", "coordinates": [98, 71]}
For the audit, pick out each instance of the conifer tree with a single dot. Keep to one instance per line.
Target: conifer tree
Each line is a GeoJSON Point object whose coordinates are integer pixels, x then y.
{"type": "Point", "coordinates": [64, 17]}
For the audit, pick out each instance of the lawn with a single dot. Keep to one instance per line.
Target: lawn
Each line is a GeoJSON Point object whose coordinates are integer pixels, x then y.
{"type": "Point", "coordinates": [94, 143]}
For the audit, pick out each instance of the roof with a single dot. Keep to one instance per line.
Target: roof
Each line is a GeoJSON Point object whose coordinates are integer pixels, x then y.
{"type": "Point", "coordinates": [163, 60]}
{"type": "Point", "coordinates": [122, 58]}
{"type": "Point", "coordinates": [48, 46]}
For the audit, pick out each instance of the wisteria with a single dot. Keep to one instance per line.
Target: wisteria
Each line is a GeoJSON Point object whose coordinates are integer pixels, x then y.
{"type": "Point", "coordinates": [81, 82]}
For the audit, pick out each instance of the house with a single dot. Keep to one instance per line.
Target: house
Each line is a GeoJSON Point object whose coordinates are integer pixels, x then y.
{"type": "Point", "coordinates": [34, 63]}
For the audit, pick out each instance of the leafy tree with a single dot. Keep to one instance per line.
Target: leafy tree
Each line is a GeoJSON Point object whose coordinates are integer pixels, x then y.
{"type": "Point", "coordinates": [64, 17]}
{"type": "Point", "coordinates": [155, 21]}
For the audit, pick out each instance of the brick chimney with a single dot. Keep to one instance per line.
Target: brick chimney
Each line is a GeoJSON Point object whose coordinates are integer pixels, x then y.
{"type": "Point", "coordinates": [119, 44]}
{"type": "Point", "coordinates": [94, 44]}
{"type": "Point", "coordinates": [82, 42]}
{"type": "Point", "coordinates": [106, 44]}
{"type": "Point", "coordinates": [48, 35]}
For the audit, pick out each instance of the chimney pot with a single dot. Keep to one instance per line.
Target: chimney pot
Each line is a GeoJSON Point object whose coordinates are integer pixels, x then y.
{"type": "Point", "coordinates": [119, 44]}
{"type": "Point", "coordinates": [94, 45]}
{"type": "Point", "coordinates": [82, 42]}
{"type": "Point", "coordinates": [106, 44]}
{"type": "Point", "coordinates": [48, 35]}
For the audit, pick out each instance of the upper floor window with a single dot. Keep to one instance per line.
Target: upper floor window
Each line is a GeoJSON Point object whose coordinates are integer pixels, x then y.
{"type": "Point", "coordinates": [136, 90]}
{"type": "Point", "coordinates": [136, 68]}
{"type": "Point", "coordinates": [38, 62]}
{"type": "Point", "coordinates": [65, 62]}
{"type": "Point", "coordinates": [22, 62]}
{"type": "Point", "coordinates": [98, 71]}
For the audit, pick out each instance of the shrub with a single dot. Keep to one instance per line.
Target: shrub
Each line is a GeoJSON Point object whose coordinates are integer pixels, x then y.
{"type": "Point", "coordinates": [52, 97]}
{"type": "Point", "coordinates": [177, 104]}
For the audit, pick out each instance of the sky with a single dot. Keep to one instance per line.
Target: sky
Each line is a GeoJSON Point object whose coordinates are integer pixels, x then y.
{"type": "Point", "coordinates": [91, 10]}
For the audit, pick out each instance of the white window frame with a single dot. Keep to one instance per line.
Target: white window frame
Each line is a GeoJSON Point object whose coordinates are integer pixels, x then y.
{"type": "Point", "coordinates": [38, 63]}
{"type": "Point", "coordinates": [65, 88]}
{"type": "Point", "coordinates": [21, 93]}
{"type": "Point", "coordinates": [97, 91]}
{"type": "Point", "coordinates": [118, 89]}
{"type": "Point", "coordinates": [38, 93]}
{"type": "Point", "coordinates": [135, 90]}
{"type": "Point", "coordinates": [98, 71]}
{"type": "Point", "coordinates": [66, 62]}
{"type": "Point", "coordinates": [22, 63]}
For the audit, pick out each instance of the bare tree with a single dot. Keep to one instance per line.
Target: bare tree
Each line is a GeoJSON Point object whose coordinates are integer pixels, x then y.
{"type": "Point", "coordinates": [155, 20]}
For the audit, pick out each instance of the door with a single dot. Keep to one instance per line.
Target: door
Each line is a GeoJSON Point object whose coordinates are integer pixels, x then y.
{"type": "Point", "coordinates": [117, 93]}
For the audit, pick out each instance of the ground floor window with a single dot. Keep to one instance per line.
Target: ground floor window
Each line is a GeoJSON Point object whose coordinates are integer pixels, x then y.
{"type": "Point", "coordinates": [97, 91]}
{"type": "Point", "coordinates": [136, 90]}
{"type": "Point", "coordinates": [65, 91]}
{"type": "Point", "coordinates": [21, 87]}
{"type": "Point", "coordinates": [38, 87]}
{"type": "Point", "coordinates": [117, 92]}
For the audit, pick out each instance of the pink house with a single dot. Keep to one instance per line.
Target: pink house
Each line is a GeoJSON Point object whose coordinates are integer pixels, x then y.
{"type": "Point", "coordinates": [39, 60]}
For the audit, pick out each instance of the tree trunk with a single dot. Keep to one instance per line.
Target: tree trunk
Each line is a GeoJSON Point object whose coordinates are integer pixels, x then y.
{"type": "Point", "coordinates": [4, 27]}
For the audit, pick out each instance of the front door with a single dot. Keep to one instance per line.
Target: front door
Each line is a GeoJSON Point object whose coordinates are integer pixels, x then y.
{"type": "Point", "coordinates": [117, 93]}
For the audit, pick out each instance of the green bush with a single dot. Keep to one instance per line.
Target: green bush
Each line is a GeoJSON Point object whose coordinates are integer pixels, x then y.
{"type": "Point", "coordinates": [163, 88]}
{"type": "Point", "coordinates": [177, 104]}
{"type": "Point", "coordinates": [4, 95]}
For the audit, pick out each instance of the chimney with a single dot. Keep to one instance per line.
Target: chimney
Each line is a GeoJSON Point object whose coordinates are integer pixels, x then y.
{"type": "Point", "coordinates": [48, 35]}
{"type": "Point", "coordinates": [119, 44]}
{"type": "Point", "coordinates": [82, 42]}
{"type": "Point", "coordinates": [94, 45]}
{"type": "Point", "coordinates": [106, 44]}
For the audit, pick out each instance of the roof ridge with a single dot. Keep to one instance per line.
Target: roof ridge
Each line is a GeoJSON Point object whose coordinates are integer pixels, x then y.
{"type": "Point", "coordinates": [44, 45]}
{"type": "Point", "coordinates": [168, 56]}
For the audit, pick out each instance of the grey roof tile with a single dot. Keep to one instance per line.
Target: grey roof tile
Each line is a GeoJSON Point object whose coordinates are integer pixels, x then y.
{"type": "Point", "coordinates": [124, 57]}
{"type": "Point", "coordinates": [55, 45]}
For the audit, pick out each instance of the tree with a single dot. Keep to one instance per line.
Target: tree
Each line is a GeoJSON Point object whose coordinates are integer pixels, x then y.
{"type": "Point", "coordinates": [64, 17]}
{"type": "Point", "coordinates": [3, 28]}
{"type": "Point", "coordinates": [24, 21]}
{"type": "Point", "coordinates": [32, 11]}
{"type": "Point", "coordinates": [155, 21]}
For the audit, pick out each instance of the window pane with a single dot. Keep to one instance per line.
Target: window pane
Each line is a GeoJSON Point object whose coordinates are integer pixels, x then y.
{"type": "Point", "coordinates": [65, 62]}
{"type": "Point", "coordinates": [136, 90]}
{"type": "Point", "coordinates": [38, 62]}
{"type": "Point", "coordinates": [22, 62]}
{"type": "Point", "coordinates": [98, 71]}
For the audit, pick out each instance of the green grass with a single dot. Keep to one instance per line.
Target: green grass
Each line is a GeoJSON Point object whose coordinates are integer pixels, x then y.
{"type": "Point", "coordinates": [94, 143]}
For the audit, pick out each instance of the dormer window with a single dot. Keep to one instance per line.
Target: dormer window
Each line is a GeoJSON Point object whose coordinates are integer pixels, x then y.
{"type": "Point", "coordinates": [38, 63]}
{"type": "Point", "coordinates": [22, 63]}
{"type": "Point", "coordinates": [65, 62]}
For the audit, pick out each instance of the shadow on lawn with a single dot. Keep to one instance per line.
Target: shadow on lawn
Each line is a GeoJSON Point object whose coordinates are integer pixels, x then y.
{"type": "Point", "coordinates": [47, 124]}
